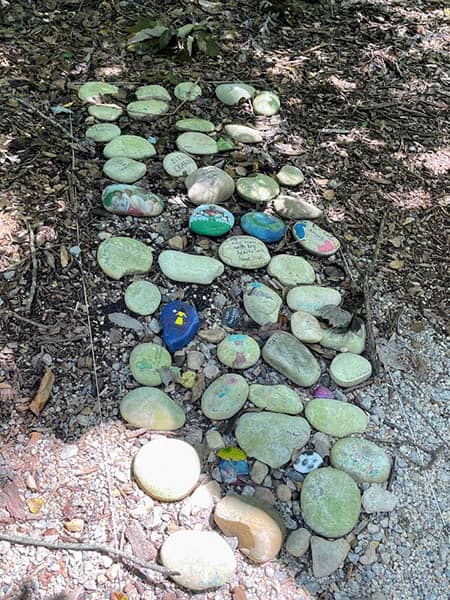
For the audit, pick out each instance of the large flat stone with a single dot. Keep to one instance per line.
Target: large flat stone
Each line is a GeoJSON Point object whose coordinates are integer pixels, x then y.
{"type": "Point", "coordinates": [289, 356]}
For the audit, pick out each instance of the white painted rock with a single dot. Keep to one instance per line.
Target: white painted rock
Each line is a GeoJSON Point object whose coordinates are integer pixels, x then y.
{"type": "Point", "coordinates": [266, 103]}
{"type": "Point", "coordinates": [291, 207]}
{"type": "Point", "coordinates": [233, 93]}
{"type": "Point", "coordinates": [290, 176]}
{"type": "Point", "coordinates": [306, 327]}
{"type": "Point", "coordinates": [153, 92]}
{"type": "Point", "coordinates": [146, 109]}
{"type": "Point", "coordinates": [124, 170]}
{"type": "Point", "coordinates": [291, 270]}
{"type": "Point", "coordinates": [102, 132]}
{"type": "Point", "coordinates": [193, 142]}
{"type": "Point", "coordinates": [105, 112]}
{"type": "Point", "coordinates": [91, 90]}
{"type": "Point", "coordinates": [314, 239]}
{"type": "Point", "coordinates": [179, 164]}
{"type": "Point", "coordinates": [257, 188]}
{"type": "Point", "coordinates": [276, 398]}
{"type": "Point", "coordinates": [189, 268]}
{"type": "Point", "coordinates": [130, 146]}
{"type": "Point", "coordinates": [151, 408]}
{"type": "Point", "coordinates": [224, 397]}
{"type": "Point", "coordinates": [209, 185]}
{"type": "Point", "coordinates": [350, 369]}
{"type": "Point", "coordinates": [244, 134]}
{"type": "Point", "coordinates": [187, 90]}
{"type": "Point", "coordinates": [311, 298]}
{"type": "Point", "coordinates": [244, 252]}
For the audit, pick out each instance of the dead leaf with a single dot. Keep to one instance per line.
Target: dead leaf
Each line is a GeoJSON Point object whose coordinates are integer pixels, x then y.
{"type": "Point", "coordinates": [118, 596]}
{"type": "Point", "coordinates": [74, 525]}
{"type": "Point", "coordinates": [35, 505]}
{"type": "Point", "coordinates": [64, 257]}
{"type": "Point", "coordinates": [418, 326]}
{"type": "Point", "coordinates": [397, 264]}
{"type": "Point", "coordinates": [329, 195]}
{"type": "Point", "coordinates": [43, 393]}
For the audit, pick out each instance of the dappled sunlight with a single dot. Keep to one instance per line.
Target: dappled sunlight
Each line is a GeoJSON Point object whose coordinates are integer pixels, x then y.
{"type": "Point", "coordinates": [436, 162]}
{"type": "Point", "coordinates": [337, 215]}
{"type": "Point", "coordinates": [110, 71]}
{"type": "Point", "coordinates": [409, 200]}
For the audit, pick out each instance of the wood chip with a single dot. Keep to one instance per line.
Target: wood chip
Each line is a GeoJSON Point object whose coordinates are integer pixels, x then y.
{"type": "Point", "coordinates": [43, 393]}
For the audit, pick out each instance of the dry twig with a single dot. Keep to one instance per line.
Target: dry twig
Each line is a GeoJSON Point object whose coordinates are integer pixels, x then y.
{"type": "Point", "coordinates": [34, 267]}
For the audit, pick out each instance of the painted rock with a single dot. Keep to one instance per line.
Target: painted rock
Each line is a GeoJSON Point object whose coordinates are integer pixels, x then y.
{"type": "Point", "coordinates": [166, 469]}
{"type": "Point", "coordinates": [202, 559]}
{"type": "Point", "coordinates": [238, 351]}
{"type": "Point", "coordinates": [179, 164]}
{"type": "Point", "coordinates": [327, 556]}
{"type": "Point", "coordinates": [119, 256]}
{"type": "Point", "coordinates": [311, 298]}
{"type": "Point", "coordinates": [263, 226]}
{"type": "Point", "coordinates": [193, 142]}
{"type": "Point", "coordinates": [314, 239]}
{"type": "Point", "coordinates": [291, 270]}
{"type": "Point", "coordinates": [291, 207]}
{"type": "Point", "coordinates": [180, 323]}
{"type": "Point", "coordinates": [350, 369]}
{"type": "Point", "coordinates": [146, 109]}
{"type": "Point", "coordinates": [290, 175]}
{"type": "Point", "coordinates": [306, 327]}
{"type": "Point", "coordinates": [350, 341]}
{"type": "Point", "coordinates": [142, 297]}
{"type": "Point", "coordinates": [286, 354]}
{"type": "Point", "coordinates": [124, 170]}
{"type": "Point", "coordinates": [211, 219]}
{"type": "Point", "coordinates": [146, 360]}
{"type": "Point", "coordinates": [151, 408]}
{"type": "Point", "coordinates": [91, 90]}
{"type": "Point", "coordinates": [335, 418]}
{"type": "Point", "coordinates": [105, 112]}
{"type": "Point", "coordinates": [231, 317]}
{"type": "Point", "coordinates": [266, 103]}
{"type": "Point", "coordinates": [233, 471]}
{"type": "Point", "coordinates": [153, 92]}
{"type": "Point", "coordinates": [271, 437]}
{"type": "Point", "coordinates": [307, 462]}
{"type": "Point", "coordinates": [130, 146]}
{"type": "Point", "coordinates": [244, 134]}
{"type": "Point", "coordinates": [362, 459]}
{"type": "Point", "coordinates": [189, 268]}
{"type": "Point", "coordinates": [209, 185]}
{"type": "Point", "coordinates": [224, 397]}
{"type": "Point", "coordinates": [124, 199]}
{"type": "Point", "coordinates": [276, 398]}
{"type": "Point", "coordinates": [323, 392]}
{"type": "Point", "coordinates": [326, 512]}
{"type": "Point", "coordinates": [194, 124]}
{"type": "Point", "coordinates": [233, 93]}
{"type": "Point", "coordinates": [244, 252]}
{"type": "Point", "coordinates": [261, 303]}
{"type": "Point", "coordinates": [102, 132]}
{"type": "Point", "coordinates": [187, 90]}
{"type": "Point", "coordinates": [257, 188]}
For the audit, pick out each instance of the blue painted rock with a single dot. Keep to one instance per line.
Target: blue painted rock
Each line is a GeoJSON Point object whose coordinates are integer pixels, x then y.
{"type": "Point", "coordinates": [180, 323]}
{"type": "Point", "coordinates": [211, 219]}
{"type": "Point", "coordinates": [263, 226]}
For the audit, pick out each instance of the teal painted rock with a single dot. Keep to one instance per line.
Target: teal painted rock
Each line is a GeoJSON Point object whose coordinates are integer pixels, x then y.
{"type": "Point", "coordinates": [187, 90]}
{"type": "Point", "coordinates": [292, 207]}
{"type": "Point", "coordinates": [335, 418]}
{"type": "Point", "coordinates": [363, 460]}
{"type": "Point", "coordinates": [276, 398]}
{"type": "Point", "coordinates": [211, 220]}
{"type": "Point", "coordinates": [189, 268]}
{"type": "Point", "coordinates": [271, 437]}
{"type": "Point", "coordinates": [105, 112]}
{"type": "Point", "coordinates": [119, 256]}
{"type": "Point", "coordinates": [146, 360]}
{"type": "Point", "coordinates": [244, 134]}
{"type": "Point", "coordinates": [238, 351]}
{"type": "Point", "coordinates": [124, 170]}
{"type": "Point", "coordinates": [142, 297]}
{"type": "Point", "coordinates": [209, 185]}
{"type": "Point", "coordinates": [311, 298]}
{"type": "Point", "coordinates": [193, 124]}
{"type": "Point", "coordinates": [291, 270]}
{"type": "Point", "coordinates": [233, 93]}
{"type": "Point", "coordinates": [153, 92]}
{"type": "Point", "coordinates": [92, 90]}
{"type": "Point", "coordinates": [146, 109]}
{"type": "Point", "coordinates": [261, 303]}
{"type": "Point", "coordinates": [224, 397]}
{"type": "Point", "coordinates": [194, 142]}
{"type": "Point", "coordinates": [330, 502]}
{"type": "Point", "coordinates": [151, 408]}
{"type": "Point", "coordinates": [351, 341]}
{"type": "Point", "coordinates": [290, 176]}
{"type": "Point", "coordinates": [257, 188]}
{"type": "Point", "coordinates": [306, 327]}
{"type": "Point", "coordinates": [102, 132]}
{"type": "Point", "coordinates": [266, 103]}
{"type": "Point", "coordinates": [244, 252]}
{"type": "Point", "coordinates": [130, 146]}
{"type": "Point", "coordinates": [179, 164]}
{"type": "Point", "coordinates": [264, 226]}
{"type": "Point", "coordinates": [350, 369]}
{"type": "Point", "coordinates": [314, 239]}
{"type": "Point", "coordinates": [289, 356]}
{"type": "Point", "coordinates": [126, 199]}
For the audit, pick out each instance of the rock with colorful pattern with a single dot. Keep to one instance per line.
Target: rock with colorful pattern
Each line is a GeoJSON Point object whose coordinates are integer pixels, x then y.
{"type": "Point", "coordinates": [224, 397]}
{"type": "Point", "coordinates": [132, 200]}
{"type": "Point", "coordinates": [264, 226]}
{"type": "Point", "coordinates": [211, 220]}
{"type": "Point", "coordinates": [180, 323]}
{"type": "Point", "coordinates": [314, 239]}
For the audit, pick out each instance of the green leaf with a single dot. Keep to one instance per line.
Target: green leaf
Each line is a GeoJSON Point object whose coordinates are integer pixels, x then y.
{"type": "Point", "coordinates": [207, 44]}
{"type": "Point", "coordinates": [185, 30]}
{"type": "Point", "coordinates": [165, 38]}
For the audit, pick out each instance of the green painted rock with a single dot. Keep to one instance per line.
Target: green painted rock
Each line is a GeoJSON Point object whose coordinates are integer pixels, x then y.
{"type": "Point", "coordinates": [102, 132]}
{"type": "Point", "coordinates": [179, 164]}
{"type": "Point", "coordinates": [151, 408]}
{"type": "Point", "coordinates": [314, 239]}
{"type": "Point", "coordinates": [271, 437]}
{"type": "Point", "coordinates": [91, 90]}
{"type": "Point", "coordinates": [238, 351]}
{"type": "Point", "coordinates": [330, 502]}
{"type": "Point", "coordinates": [335, 417]}
{"type": "Point", "coordinates": [244, 252]}
{"type": "Point", "coordinates": [153, 92]}
{"type": "Point", "coordinates": [105, 112]}
{"type": "Point", "coordinates": [209, 185]}
{"type": "Point", "coordinates": [306, 327]}
{"type": "Point", "coordinates": [233, 93]}
{"type": "Point", "coordinates": [130, 146]}
{"type": "Point", "coordinates": [291, 207]}
{"type": "Point", "coordinates": [189, 268]}
{"type": "Point", "coordinates": [146, 109]}
{"type": "Point", "coordinates": [126, 199]}
{"type": "Point", "coordinates": [194, 124]}
{"type": "Point", "coordinates": [276, 398]}
{"type": "Point", "coordinates": [257, 188]}
{"type": "Point", "coordinates": [311, 298]}
{"type": "Point", "coordinates": [290, 357]}
{"type": "Point", "coordinates": [193, 142]}
{"type": "Point", "coordinates": [211, 219]}
{"type": "Point", "coordinates": [242, 133]}
{"type": "Point", "coordinates": [119, 256]}
{"type": "Point", "coordinates": [187, 90]}
{"type": "Point", "coordinates": [350, 369]}
{"type": "Point", "coordinates": [291, 270]}
{"type": "Point", "coordinates": [266, 103]}
{"type": "Point", "coordinates": [124, 170]}
{"type": "Point", "coordinates": [363, 460]}
{"type": "Point", "coordinates": [146, 360]}
{"type": "Point", "coordinates": [224, 397]}
{"type": "Point", "coordinates": [351, 341]}
{"type": "Point", "coordinates": [142, 297]}
{"type": "Point", "coordinates": [290, 175]}
{"type": "Point", "coordinates": [261, 303]}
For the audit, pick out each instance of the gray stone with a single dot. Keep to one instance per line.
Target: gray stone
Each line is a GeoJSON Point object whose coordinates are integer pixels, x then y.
{"type": "Point", "coordinates": [377, 499]}
{"type": "Point", "coordinates": [102, 132]}
{"type": "Point", "coordinates": [142, 297]}
{"type": "Point", "coordinates": [130, 146]}
{"type": "Point", "coordinates": [151, 408]}
{"type": "Point", "coordinates": [327, 556]}
{"type": "Point", "coordinates": [311, 298]}
{"type": "Point", "coordinates": [350, 369]}
{"type": "Point", "coordinates": [153, 92]}
{"type": "Point", "coordinates": [238, 351]}
{"type": "Point", "coordinates": [193, 142]}
{"type": "Point", "coordinates": [119, 256]}
{"type": "Point", "coordinates": [266, 103]}
{"type": "Point", "coordinates": [276, 398]}
{"type": "Point", "coordinates": [306, 327]}
{"type": "Point", "coordinates": [335, 418]}
{"type": "Point", "coordinates": [244, 252]}
{"type": "Point", "coordinates": [298, 542]}
{"type": "Point", "coordinates": [261, 303]}
{"type": "Point", "coordinates": [259, 472]}
{"type": "Point", "coordinates": [125, 321]}
{"type": "Point", "coordinates": [362, 459]}
{"type": "Point", "coordinates": [124, 170]}
{"type": "Point", "coordinates": [290, 357]}
{"type": "Point", "coordinates": [187, 90]}
{"type": "Point", "coordinates": [290, 175]}
{"type": "Point", "coordinates": [257, 188]}
{"type": "Point", "coordinates": [233, 93]}
{"type": "Point", "coordinates": [209, 185]}
{"type": "Point", "coordinates": [144, 110]}
{"type": "Point", "coordinates": [291, 270]}
{"type": "Point", "coordinates": [224, 397]}
{"type": "Point", "coordinates": [350, 341]}
{"type": "Point", "coordinates": [92, 90]}
{"type": "Point", "coordinates": [291, 207]}
{"type": "Point", "coordinates": [105, 112]}
{"type": "Point", "coordinates": [189, 268]}
{"type": "Point", "coordinates": [146, 360]}
{"type": "Point", "coordinates": [244, 134]}
{"type": "Point", "coordinates": [179, 164]}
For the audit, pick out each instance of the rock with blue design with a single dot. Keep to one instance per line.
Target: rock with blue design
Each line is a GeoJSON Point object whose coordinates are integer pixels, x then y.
{"type": "Point", "coordinates": [314, 239]}
{"type": "Point", "coordinates": [126, 199]}
{"type": "Point", "coordinates": [211, 219]}
{"type": "Point", "coordinates": [261, 303]}
{"type": "Point", "coordinates": [180, 323]}
{"type": "Point", "coordinates": [264, 226]}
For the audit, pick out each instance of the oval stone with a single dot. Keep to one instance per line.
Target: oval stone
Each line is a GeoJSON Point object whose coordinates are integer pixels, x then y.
{"type": "Point", "coordinates": [311, 298]}
{"type": "Point", "coordinates": [209, 185]}
{"type": "Point", "coordinates": [102, 132]}
{"type": "Point", "coordinates": [264, 226]}
{"type": "Point", "coordinates": [276, 398]}
{"type": "Point", "coordinates": [224, 397]}
{"type": "Point", "coordinates": [142, 297]}
{"type": "Point", "coordinates": [105, 112]}
{"type": "Point", "coordinates": [314, 239]}
{"type": "Point", "coordinates": [350, 369]}
{"type": "Point", "coordinates": [203, 559]}
{"type": "Point", "coordinates": [362, 459]}
{"type": "Point", "coordinates": [130, 146]}
{"type": "Point", "coordinates": [291, 270]}
{"type": "Point", "coordinates": [180, 323]}
{"type": "Point", "coordinates": [125, 199]}
{"type": "Point", "coordinates": [196, 143]}
{"type": "Point", "coordinates": [194, 124]}
{"type": "Point", "coordinates": [244, 134]}
{"type": "Point", "coordinates": [145, 362]}
{"type": "Point", "coordinates": [330, 502]}
{"type": "Point", "coordinates": [290, 175]}
{"type": "Point", "coordinates": [146, 109]}
{"type": "Point", "coordinates": [91, 90]}
{"type": "Point", "coordinates": [179, 164]}
{"type": "Point", "coordinates": [119, 256]}
{"type": "Point", "coordinates": [257, 188]}
{"type": "Point", "coordinates": [166, 469]}
{"type": "Point", "coordinates": [187, 90]}
{"type": "Point", "coordinates": [124, 170]}
{"type": "Point", "coordinates": [335, 417]}
{"type": "Point", "coordinates": [151, 408]}
{"type": "Point", "coordinates": [292, 207]}
{"type": "Point", "coordinates": [244, 252]}
{"type": "Point", "coordinates": [211, 219]}
{"type": "Point", "coordinates": [266, 103]}
{"type": "Point", "coordinates": [189, 268]}
{"type": "Point", "coordinates": [306, 327]}
{"type": "Point", "coordinates": [233, 93]}
{"type": "Point", "coordinates": [153, 92]}
{"type": "Point", "coordinates": [289, 356]}
{"type": "Point", "coordinates": [271, 437]}
{"type": "Point", "coordinates": [261, 303]}
{"type": "Point", "coordinates": [238, 351]}
{"type": "Point", "coordinates": [350, 341]}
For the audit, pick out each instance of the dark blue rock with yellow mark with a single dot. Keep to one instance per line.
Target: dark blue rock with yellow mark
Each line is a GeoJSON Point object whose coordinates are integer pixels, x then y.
{"type": "Point", "coordinates": [180, 323]}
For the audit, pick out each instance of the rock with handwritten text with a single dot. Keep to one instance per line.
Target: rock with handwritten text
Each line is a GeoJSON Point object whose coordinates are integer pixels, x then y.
{"type": "Point", "coordinates": [244, 252]}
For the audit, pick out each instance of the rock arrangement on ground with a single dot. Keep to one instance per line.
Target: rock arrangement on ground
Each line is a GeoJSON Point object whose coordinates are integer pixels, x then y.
{"type": "Point", "coordinates": [269, 426]}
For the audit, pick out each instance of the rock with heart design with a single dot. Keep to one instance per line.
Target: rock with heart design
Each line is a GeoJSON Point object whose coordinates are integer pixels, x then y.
{"type": "Point", "coordinates": [314, 239]}
{"type": "Point", "coordinates": [180, 323]}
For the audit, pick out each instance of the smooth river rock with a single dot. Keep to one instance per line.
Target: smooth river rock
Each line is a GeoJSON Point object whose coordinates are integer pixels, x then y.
{"type": "Point", "coordinates": [264, 226]}
{"type": "Point", "coordinates": [257, 188]}
{"type": "Point", "coordinates": [146, 360]}
{"type": "Point", "coordinates": [289, 356]}
{"type": "Point", "coordinates": [244, 252]}
{"type": "Point", "coordinates": [187, 90]}
{"type": "Point", "coordinates": [377, 499]}
{"type": "Point", "coordinates": [193, 142]}
{"type": "Point", "coordinates": [130, 146]}
{"type": "Point", "coordinates": [314, 239]}
{"type": "Point", "coordinates": [224, 397]}
{"type": "Point", "coordinates": [124, 170]}
{"type": "Point", "coordinates": [290, 175]}
{"type": "Point", "coordinates": [238, 351]}
{"type": "Point", "coordinates": [327, 556]}
{"type": "Point", "coordinates": [292, 207]}
{"type": "Point", "coordinates": [142, 297]}
{"type": "Point", "coordinates": [127, 199]}
{"type": "Point", "coordinates": [244, 134]}
{"type": "Point", "coordinates": [335, 417]}
{"type": "Point", "coordinates": [194, 124]}
{"type": "Point", "coordinates": [233, 93]}
{"type": "Point", "coordinates": [105, 112]}
{"type": "Point", "coordinates": [119, 256]}
{"type": "Point", "coordinates": [306, 327]}
{"type": "Point", "coordinates": [211, 219]}
{"type": "Point", "coordinates": [362, 459]}
{"type": "Point", "coordinates": [266, 103]}
{"type": "Point", "coordinates": [261, 303]}
{"type": "Point", "coordinates": [298, 542]}
{"type": "Point", "coordinates": [189, 268]}
{"type": "Point", "coordinates": [276, 398]}
{"type": "Point", "coordinates": [179, 164]}
{"type": "Point", "coordinates": [102, 132]}
{"type": "Point", "coordinates": [312, 298]}
{"type": "Point", "coordinates": [291, 270]}
{"type": "Point", "coordinates": [143, 110]}
{"type": "Point", "coordinates": [350, 341]}
{"type": "Point", "coordinates": [350, 369]}
{"type": "Point", "coordinates": [209, 185]}
{"type": "Point", "coordinates": [92, 90]}
{"type": "Point", "coordinates": [151, 408]}
{"type": "Point", "coordinates": [153, 92]}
